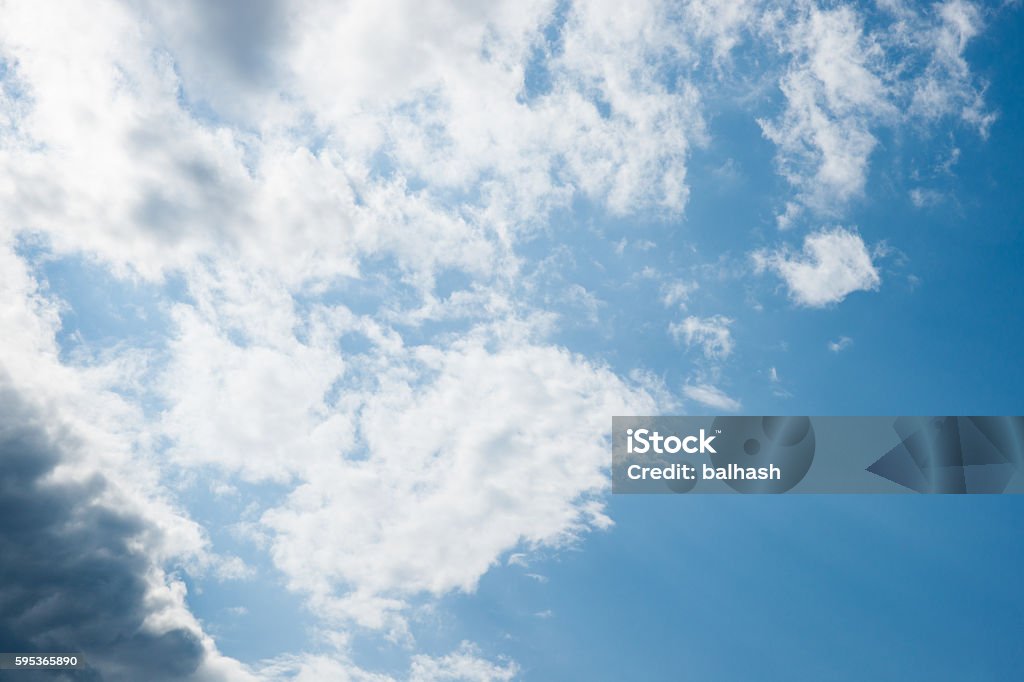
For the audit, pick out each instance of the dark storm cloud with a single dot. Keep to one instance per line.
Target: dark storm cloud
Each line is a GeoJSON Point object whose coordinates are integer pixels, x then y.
{"type": "Point", "coordinates": [70, 579]}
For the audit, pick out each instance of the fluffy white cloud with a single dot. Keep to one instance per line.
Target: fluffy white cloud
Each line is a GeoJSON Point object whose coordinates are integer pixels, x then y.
{"type": "Point", "coordinates": [712, 334]}
{"type": "Point", "coordinates": [258, 408]}
{"type": "Point", "coordinates": [711, 396]}
{"type": "Point", "coordinates": [272, 158]}
{"type": "Point", "coordinates": [278, 159]}
{"type": "Point", "coordinates": [505, 446]}
{"type": "Point", "coordinates": [833, 264]}
{"type": "Point", "coordinates": [111, 156]}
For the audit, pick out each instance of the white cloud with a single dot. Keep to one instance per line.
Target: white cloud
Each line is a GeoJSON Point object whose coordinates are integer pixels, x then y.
{"type": "Point", "coordinates": [848, 78]}
{"type": "Point", "coordinates": [517, 559]}
{"type": "Point", "coordinates": [711, 396]}
{"type": "Point", "coordinates": [463, 665]}
{"type": "Point", "coordinates": [585, 301]}
{"type": "Point", "coordinates": [722, 22]}
{"type": "Point", "coordinates": [835, 89]}
{"type": "Point", "coordinates": [922, 198]}
{"type": "Point", "coordinates": [840, 344]}
{"type": "Point", "coordinates": [92, 451]}
{"type": "Point", "coordinates": [157, 141]}
{"type": "Point", "coordinates": [946, 86]}
{"type": "Point", "coordinates": [106, 143]}
{"type": "Point", "coordinates": [265, 162]}
{"type": "Point", "coordinates": [677, 293]}
{"type": "Point", "coordinates": [788, 217]}
{"type": "Point", "coordinates": [503, 446]}
{"type": "Point", "coordinates": [833, 264]}
{"type": "Point", "coordinates": [257, 409]}
{"type": "Point", "coordinates": [712, 334]}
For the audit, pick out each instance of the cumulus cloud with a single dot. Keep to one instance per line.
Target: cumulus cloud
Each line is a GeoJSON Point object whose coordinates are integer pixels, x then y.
{"type": "Point", "coordinates": [124, 148]}
{"type": "Point", "coordinates": [87, 534]}
{"type": "Point", "coordinates": [298, 182]}
{"type": "Point", "coordinates": [833, 264]}
{"type": "Point", "coordinates": [77, 568]}
{"type": "Point", "coordinates": [711, 396]}
{"type": "Point", "coordinates": [271, 158]}
{"type": "Point", "coordinates": [505, 446]}
{"type": "Point", "coordinates": [712, 334]}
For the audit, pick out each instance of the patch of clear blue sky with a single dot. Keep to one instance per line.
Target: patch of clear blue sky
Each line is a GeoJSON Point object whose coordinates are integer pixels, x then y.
{"type": "Point", "coordinates": [274, 621]}
{"type": "Point", "coordinates": [101, 311]}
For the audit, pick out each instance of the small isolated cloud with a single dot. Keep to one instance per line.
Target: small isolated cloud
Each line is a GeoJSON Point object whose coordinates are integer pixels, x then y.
{"type": "Point", "coordinates": [922, 198]}
{"type": "Point", "coordinates": [728, 173]}
{"type": "Point", "coordinates": [545, 614]}
{"type": "Point", "coordinates": [710, 333]}
{"type": "Point", "coordinates": [840, 344]}
{"type": "Point", "coordinates": [833, 264]}
{"type": "Point", "coordinates": [677, 293]}
{"type": "Point", "coordinates": [785, 219]}
{"type": "Point", "coordinates": [711, 396]}
{"type": "Point", "coordinates": [538, 577]}
{"type": "Point", "coordinates": [232, 568]}
{"type": "Point", "coordinates": [776, 383]}
{"type": "Point", "coordinates": [584, 301]}
{"type": "Point", "coordinates": [517, 559]}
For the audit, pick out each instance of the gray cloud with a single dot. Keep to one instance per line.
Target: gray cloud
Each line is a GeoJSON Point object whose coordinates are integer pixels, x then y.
{"type": "Point", "coordinates": [72, 577]}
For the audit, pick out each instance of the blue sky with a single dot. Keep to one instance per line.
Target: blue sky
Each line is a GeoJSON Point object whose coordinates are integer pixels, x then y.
{"type": "Point", "coordinates": [314, 319]}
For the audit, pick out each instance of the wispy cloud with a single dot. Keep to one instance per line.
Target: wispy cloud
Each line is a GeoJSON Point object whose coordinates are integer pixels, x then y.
{"type": "Point", "coordinates": [711, 396]}
{"type": "Point", "coordinates": [840, 344]}
{"type": "Point", "coordinates": [711, 334]}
